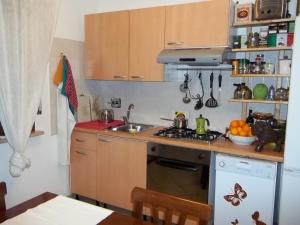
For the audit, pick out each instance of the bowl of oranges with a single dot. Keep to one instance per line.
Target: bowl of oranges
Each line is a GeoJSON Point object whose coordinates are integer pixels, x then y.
{"type": "Point", "coordinates": [241, 133]}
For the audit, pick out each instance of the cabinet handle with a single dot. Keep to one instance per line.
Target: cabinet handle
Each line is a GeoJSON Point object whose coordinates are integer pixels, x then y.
{"type": "Point", "coordinates": [104, 140]}
{"type": "Point", "coordinates": [81, 153]}
{"type": "Point", "coordinates": [137, 77]}
{"type": "Point", "coordinates": [79, 140]}
{"type": "Point", "coordinates": [176, 43]}
{"type": "Point", "coordinates": [120, 77]}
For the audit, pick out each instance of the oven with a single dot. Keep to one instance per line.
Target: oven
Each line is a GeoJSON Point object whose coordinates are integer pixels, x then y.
{"type": "Point", "coordinates": [178, 171]}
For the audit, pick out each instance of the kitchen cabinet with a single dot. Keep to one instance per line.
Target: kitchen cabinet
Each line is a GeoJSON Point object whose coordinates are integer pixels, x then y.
{"type": "Point", "coordinates": [124, 45]}
{"type": "Point", "coordinates": [147, 27]}
{"type": "Point", "coordinates": [83, 164]}
{"type": "Point", "coordinates": [199, 24]}
{"type": "Point", "coordinates": [107, 46]}
{"type": "Point", "coordinates": [121, 165]}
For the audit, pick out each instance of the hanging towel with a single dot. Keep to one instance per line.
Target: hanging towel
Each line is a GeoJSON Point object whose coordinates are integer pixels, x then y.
{"type": "Point", "coordinates": [57, 79]}
{"type": "Point", "coordinates": [70, 89]}
{"type": "Point", "coordinates": [66, 108]}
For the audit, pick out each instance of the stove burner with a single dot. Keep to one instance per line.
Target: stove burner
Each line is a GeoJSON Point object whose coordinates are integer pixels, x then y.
{"type": "Point", "coordinates": [173, 132]}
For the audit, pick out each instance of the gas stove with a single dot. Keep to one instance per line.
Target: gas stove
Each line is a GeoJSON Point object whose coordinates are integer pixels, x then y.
{"type": "Point", "coordinates": [188, 134]}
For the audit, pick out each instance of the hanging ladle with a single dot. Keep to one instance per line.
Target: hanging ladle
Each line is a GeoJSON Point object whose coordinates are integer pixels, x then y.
{"type": "Point", "coordinates": [186, 99]}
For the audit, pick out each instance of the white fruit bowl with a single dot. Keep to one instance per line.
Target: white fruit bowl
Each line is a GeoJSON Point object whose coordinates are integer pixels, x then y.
{"type": "Point", "coordinates": [240, 140]}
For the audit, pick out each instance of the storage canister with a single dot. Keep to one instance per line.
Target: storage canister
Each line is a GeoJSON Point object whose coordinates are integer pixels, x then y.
{"type": "Point", "coordinates": [235, 67]}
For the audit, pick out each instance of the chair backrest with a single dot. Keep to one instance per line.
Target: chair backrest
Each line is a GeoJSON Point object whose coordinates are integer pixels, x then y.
{"type": "Point", "coordinates": [2, 196]}
{"type": "Point", "coordinates": [170, 205]}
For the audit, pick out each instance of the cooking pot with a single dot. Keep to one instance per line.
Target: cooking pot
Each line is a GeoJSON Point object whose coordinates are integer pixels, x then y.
{"type": "Point", "coordinates": [106, 115]}
{"type": "Point", "coordinates": [180, 122]}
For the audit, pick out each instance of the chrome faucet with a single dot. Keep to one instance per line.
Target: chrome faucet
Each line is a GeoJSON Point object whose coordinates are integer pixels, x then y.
{"type": "Point", "coordinates": [126, 118]}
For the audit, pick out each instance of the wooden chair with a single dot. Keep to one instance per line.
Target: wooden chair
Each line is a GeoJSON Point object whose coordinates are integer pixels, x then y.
{"type": "Point", "coordinates": [170, 205]}
{"type": "Point", "coordinates": [2, 196]}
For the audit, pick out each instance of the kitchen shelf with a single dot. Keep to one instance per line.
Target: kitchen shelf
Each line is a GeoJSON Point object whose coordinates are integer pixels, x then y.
{"type": "Point", "coordinates": [261, 75]}
{"type": "Point", "coordinates": [33, 134]}
{"type": "Point", "coordinates": [262, 22]}
{"type": "Point", "coordinates": [258, 101]}
{"type": "Point", "coordinates": [261, 49]}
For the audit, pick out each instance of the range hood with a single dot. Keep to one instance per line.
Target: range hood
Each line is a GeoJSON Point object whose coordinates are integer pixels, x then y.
{"type": "Point", "coordinates": [193, 57]}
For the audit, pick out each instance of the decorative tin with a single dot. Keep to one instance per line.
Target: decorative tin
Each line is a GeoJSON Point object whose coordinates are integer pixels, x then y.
{"type": "Point", "coordinates": [243, 13]}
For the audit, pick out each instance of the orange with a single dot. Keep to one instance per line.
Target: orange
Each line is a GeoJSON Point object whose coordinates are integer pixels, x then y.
{"type": "Point", "coordinates": [243, 133]}
{"type": "Point", "coordinates": [242, 122]}
{"type": "Point", "coordinates": [239, 130]}
{"type": "Point", "coordinates": [246, 128]}
{"type": "Point", "coordinates": [233, 131]}
{"type": "Point", "coordinates": [234, 123]}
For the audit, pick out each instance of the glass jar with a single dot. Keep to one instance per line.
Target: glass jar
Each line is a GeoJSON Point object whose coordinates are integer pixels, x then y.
{"type": "Point", "coordinates": [236, 42]}
{"type": "Point", "coordinates": [235, 67]}
{"type": "Point", "coordinates": [253, 40]}
{"type": "Point", "coordinates": [269, 68]}
{"type": "Point", "coordinates": [244, 66]}
{"type": "Point", "coordinates": [252, 67]}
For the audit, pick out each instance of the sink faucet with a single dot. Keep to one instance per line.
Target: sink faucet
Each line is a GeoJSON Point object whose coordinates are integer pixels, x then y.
{"type": "Point", "coordinates": [126, 118]}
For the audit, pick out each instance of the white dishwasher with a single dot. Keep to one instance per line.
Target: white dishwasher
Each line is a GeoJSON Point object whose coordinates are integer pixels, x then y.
{"type": "Point", "coordinates": [245, 191]}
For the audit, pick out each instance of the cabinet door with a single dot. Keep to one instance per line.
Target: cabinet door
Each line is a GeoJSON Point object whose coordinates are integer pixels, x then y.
{"type": "Point", "coordinates": [107, 46]}
{"type": "Point", "coordinates": [147, 27]}
{"type": "Point", "coordinates": [83, 172]}
{"type": "Point", "coordinates": [198, 24]}
{"type": "Point", "coordinates": [121, 165]}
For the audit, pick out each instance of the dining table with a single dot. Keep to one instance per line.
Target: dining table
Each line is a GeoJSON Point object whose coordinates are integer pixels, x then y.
{"type": "Point", "coordinates": [114, 218]}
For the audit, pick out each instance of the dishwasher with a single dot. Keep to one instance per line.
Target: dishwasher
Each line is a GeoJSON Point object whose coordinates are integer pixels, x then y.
{"type": "Point", "coordinates": [244, 191]}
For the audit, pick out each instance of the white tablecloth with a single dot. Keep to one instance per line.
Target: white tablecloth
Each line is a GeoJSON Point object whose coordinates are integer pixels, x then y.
{"type": "Point", "coordinates": [61, 211]}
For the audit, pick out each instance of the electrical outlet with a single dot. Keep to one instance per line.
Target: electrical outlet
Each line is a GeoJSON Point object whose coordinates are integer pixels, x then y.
{"type": "Point", "coordinates": [115, 102]}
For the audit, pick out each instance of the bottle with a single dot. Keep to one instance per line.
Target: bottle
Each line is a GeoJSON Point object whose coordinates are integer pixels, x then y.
{"type": "Point", "coordinates": [250, 119]}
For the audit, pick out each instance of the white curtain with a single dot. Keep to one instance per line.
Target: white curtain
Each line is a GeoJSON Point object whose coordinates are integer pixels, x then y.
{"type": "Point", "coordinates": [26, 32]}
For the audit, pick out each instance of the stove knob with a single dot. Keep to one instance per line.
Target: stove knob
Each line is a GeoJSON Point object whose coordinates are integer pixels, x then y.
{"type": "Point", "coordinates": [222, 164]}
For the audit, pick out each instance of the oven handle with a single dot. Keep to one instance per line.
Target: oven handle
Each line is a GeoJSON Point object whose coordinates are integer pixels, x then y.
{"type": "Point", "coordinates": [177, 164]}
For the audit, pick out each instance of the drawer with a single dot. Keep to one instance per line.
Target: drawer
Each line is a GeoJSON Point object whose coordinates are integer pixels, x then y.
{"type": "Point", "coordinates": [84, 140]}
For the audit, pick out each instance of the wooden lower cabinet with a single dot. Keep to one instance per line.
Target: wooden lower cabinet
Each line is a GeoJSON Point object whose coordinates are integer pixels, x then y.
{"type": "Point", "coordinates": [83, 164]}
{"type": "Point", "coordinates": [83, 172]}
{"type": "Point", "coordinates": [121, 165]}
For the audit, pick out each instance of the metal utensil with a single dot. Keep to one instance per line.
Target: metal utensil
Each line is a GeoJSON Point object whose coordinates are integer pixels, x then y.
{"type": "Point", "coordinates": [220, 88]}
{"type": "Point", "coordinates": [185, 85]}
{"type": "Point", "coordinates": [186, 99]}
{"type": "Point", "coordinates": [211, 102]}
{"type": "Point", "coordinates": [200, 103]}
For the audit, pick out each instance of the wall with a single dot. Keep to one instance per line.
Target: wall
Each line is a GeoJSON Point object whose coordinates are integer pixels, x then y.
{"type": "Point", "coordinates": [45, 174]}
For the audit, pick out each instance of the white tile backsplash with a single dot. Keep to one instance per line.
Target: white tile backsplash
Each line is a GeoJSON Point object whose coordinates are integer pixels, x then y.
{"type": "Point", "coordinates": [153, 100]}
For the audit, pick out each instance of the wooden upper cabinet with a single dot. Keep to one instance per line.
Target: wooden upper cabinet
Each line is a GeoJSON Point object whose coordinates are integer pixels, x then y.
{"type": "Point", "coordinates": [147, 33]}
{"type": "Point", "coordinates": [198, 24]}
{"type": "Point", "coordinates": [107, 46]}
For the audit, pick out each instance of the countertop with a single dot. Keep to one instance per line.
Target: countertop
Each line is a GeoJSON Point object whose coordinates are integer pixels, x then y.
{"type": "Point", "coordinates": [221, 145]}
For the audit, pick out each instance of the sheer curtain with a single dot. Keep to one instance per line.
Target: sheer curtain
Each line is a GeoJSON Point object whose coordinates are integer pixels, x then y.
{"type": "Point", "coordinates": [26, 33]}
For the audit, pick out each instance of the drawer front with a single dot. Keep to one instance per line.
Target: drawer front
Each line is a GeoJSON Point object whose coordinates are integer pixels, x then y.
{"type": "Point", "coordinates": [84, 140]}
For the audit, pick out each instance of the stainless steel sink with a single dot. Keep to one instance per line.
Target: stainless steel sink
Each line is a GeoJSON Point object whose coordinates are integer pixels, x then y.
{"type": "Point", "coordinates": [133, 127]}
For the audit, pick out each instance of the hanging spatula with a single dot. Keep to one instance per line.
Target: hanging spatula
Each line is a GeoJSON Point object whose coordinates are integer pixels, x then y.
{"type": "Point", "coordinates": [211, 102]}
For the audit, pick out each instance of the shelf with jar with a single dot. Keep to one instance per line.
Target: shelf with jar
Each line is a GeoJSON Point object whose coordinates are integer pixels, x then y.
{"type": "Point", "coordinates": [264, 36]}
{"type": "Point", "coordinates": [261, 67]}
{"type": "Point", "coordinates": [261, 93]}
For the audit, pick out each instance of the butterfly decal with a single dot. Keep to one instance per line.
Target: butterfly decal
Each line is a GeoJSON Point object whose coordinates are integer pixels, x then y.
{"type": "Point", "coordinates": [236, 198]}
{"type": "Point", "coordinates": [255, 217]}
